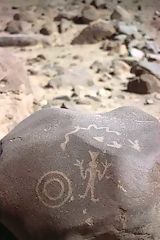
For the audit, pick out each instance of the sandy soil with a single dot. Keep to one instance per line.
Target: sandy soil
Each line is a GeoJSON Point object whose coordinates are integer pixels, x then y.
{"type": "Point", "coordinates": [87, 77]}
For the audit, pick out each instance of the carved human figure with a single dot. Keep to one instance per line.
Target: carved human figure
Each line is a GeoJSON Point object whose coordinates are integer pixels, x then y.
{"type": "Point", "coordinates": [93, 173]}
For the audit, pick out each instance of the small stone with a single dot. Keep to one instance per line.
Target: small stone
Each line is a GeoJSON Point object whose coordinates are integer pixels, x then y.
{"type": "Point", "coordinates": [152, 46]}
{"type": "Point", "coordinates": [72, 15]}
{"type": "Point", "coordinates": [50, 84]}
{"type": "Point", "coordinates": [121, 69]}
{"type": "Point", "coordinates": [136, 53]}
{"type": "Point", "coordinates": [63, 106]}
{"type": "Point", "coordinates": [64, 25]}
{"type": "Point", "coordinates": [13, 27]}
{"type": "Point", "coordinates": [64, 98]}
{"type": "Point", "coordinates": [151, 57]}
{"type": "Point", "coordinates": [89, 14]}
{"type": "Point", "coordinates": [95, 32]}
{"type": "Point", "coordinates": [149, 101]}
{"type": "Point", "coordinates": [121, 37]}
{"type": "Point", "coordinates": [157, 13]}
{"type": "Point", "coordinates": [47, 29]}
{"type": "Point", "coordinates": [123, 50]}
{"type": "Point", "coordinates": [153, 67]}
{"type": "Point", "coordinates": [145, 84]}
{"type": "Point", "coordinates": [16, 17]}
{"type": "Point", "coordinates": [43, 102]}
{"type": "Point", "coordinates": [114, 47]}
{"type": "Point", "coordinates": [96, 99]}
{"type": "Point", "coordinates": [127, 29]}
{"type": "Point", "coordinates": [100, 4]}
{"type": "Point", "coordinates": [101, 67]}
{"type": "Point", "coordinates": [121, 14]}
{"type": "Point", "coordinates": [28, 16]}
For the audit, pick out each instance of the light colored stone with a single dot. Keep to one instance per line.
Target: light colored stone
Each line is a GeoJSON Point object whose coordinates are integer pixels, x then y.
{"type": "Point", "coordinates": [121, 14]}
{"type": "Point", "coordinates": [127, 29]}
{"type": "Point", "coordinates": [137, 54]}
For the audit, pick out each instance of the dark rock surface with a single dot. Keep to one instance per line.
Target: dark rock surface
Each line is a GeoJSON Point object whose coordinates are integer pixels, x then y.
{"type": "Point", "coordinates": [94, 176]}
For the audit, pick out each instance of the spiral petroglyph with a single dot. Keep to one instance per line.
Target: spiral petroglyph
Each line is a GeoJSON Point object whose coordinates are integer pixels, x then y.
{"type": "Point", "coordinates": [54, 189]}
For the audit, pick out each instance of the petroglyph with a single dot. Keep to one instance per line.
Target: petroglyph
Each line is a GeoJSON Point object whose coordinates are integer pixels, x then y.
{"type": "Point", "coordinates": [63, 145]}
{"type": "Point", "coordinates": [140, 121]}
{"type": "Point", "coordinates": [121, 187]}
{"type": "Point", "coordinates": [85, 211]}
{"type": "Point", "coordinates": [89, 221]}
{"type": "Point", "coordinates": [78, 128]}
{"type": "Point", "coordinates": [55, 180]}
{"type": "Point", "coordinates": [135, 145]}
{"type": "Point", "coordinates": [93, 173]}
{"type": "Point", "coordinates": [114, 145]}
{"type": "Point", "coordinates": [99, 139]}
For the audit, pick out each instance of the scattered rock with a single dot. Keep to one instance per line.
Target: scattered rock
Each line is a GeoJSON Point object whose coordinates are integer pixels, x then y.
{"type": "Point", "coordinates": [137, 43]}
{"type": "Point", "coordinates": [153, 57]}
{"type": "Point", "coordinates": [72, 15]}
{"type": "Point", "coordinates": [127, 29]}
{"type": "Point", "coordinates": [101, 67]}
{"type": "Point", "coordinates": [20, 40]}
{"type": "Point", "coordinates": [145, 84]}
{"type": "Point", "coordinates": [100, 4]}
{"type": "Point", "coordinates": [121, 69]}
{"type": "Point", "coordinates": [50, 84]}
{"type": "Point", "coordinates": [95, 32]}
{"type": "Point", "coordinates": [123, 51]}
{"type": "Point", "coordinates": [136, 54]}
{"type": "Point", "coordinates": [47, 29]}
{"type": "Point", "coordinates": [153, 67]}
{"type": "Point", "coordinates": [89, 14]}
{"type": "Point", "coordinates": [13, 27]}
{"type": "Point", "coordinates": [149, 101]}
{"type": "Point", "coordinates": [94, 98]}
{"type": "Point", "coordinates": [152, 46]}
{"type": "Point", "coordinates": [121, 14]}
{"type": "Point", "coordinates": [121, 38]}
{"type": "Point", "coordinates": [64, 25]}
{"type": "Point", "coordinates": [114, 47]}
{"type": "Point", "coordinates": [64, 98]}
{"type": "Point", "coordinates": [64, 106]}
{"type": "Point", "coordinates": [16, 16]}
{"type": "Point", "coordinates": [26, 15]}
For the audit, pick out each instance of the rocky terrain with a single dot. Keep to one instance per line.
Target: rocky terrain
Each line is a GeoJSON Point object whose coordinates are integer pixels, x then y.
{"type": "Point", "coordinates": [90, 55]}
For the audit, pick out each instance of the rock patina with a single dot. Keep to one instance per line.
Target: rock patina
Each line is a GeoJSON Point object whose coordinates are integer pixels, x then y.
{"type": "Point", "coordinates": [71, 175]}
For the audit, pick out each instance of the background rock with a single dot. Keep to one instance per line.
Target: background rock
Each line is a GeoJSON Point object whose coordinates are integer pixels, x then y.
{"type": "Point", "coordinates": [95, 32]}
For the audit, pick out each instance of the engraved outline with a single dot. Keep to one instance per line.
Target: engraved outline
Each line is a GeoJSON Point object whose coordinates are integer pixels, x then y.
{"type": "Point", "coordinates": [93, 173]}
{"type": "Point", "coordinates": [78, 128]}
{"type": "Point", "coordinates": [44, 191]}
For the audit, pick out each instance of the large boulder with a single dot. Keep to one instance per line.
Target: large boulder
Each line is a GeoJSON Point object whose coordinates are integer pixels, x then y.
{"type": "Point", "coordinates": [66, 174]}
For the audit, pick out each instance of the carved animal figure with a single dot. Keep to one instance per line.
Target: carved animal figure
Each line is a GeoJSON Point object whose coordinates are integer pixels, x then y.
{"type": "Point", "coordinates": [71, 175]}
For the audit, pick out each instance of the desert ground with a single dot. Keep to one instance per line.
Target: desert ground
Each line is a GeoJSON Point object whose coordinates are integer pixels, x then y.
{"type": "Point", "coordinates": [83, 55]}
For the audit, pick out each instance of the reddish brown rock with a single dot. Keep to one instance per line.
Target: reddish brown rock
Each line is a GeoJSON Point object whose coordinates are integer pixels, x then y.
{"type": "Point", "coordinates": [144, 84]}
{"type": "Point", "coordinates": [95, 32]}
